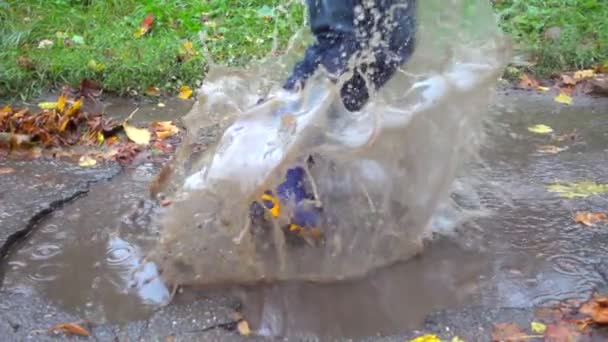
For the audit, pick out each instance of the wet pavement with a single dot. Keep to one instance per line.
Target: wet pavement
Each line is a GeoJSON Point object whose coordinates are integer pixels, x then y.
{"type": "Point", "coordinates": [72, 236]}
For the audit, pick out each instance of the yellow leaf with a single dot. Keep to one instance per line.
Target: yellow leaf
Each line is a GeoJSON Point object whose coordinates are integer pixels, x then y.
{"type": "Point", "coordinates": [426, 338]}
{"type": "Point", "coordinates": [541, 88]}
{"type": "Point", "coordinates": [87, 161]}
{"type": "Point", "coordinates": [582, 74]}
{"type": "Point", "coordinates": [185, 92]}
{"type": "Point", "coordinates": [578, 190]}
{"type": "Point", "coordinates": [589, 219]}
{"type": "Point", "coordinates": [243, 328]}
{"type": "Point", "coordinates": [61, 103]}
{"type": "Point", "coordinates": [100, 138]}
{"type": "Point", "coordinates": [538, 328]}
{"type": "Point", "coordinates": [47, 105]}
{"type": "Point", "coordinates": [137, 135]}
{"type": "Point", "coordinates": [563, 98]}
{"type": "Point", "coordinates": [140, 32]}
{"type": "Point", "coordinates": [540, 129]}
{"type": "Point", "coordinates": [457, 339]}
{"type": "Point", "coordinates": [74, 108]}
{"type": "Point", "coordinates": [95, 66]}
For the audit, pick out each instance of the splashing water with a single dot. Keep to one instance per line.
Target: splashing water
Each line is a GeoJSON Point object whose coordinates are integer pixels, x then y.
{"type": "Point", "coordinates": [378, 174]}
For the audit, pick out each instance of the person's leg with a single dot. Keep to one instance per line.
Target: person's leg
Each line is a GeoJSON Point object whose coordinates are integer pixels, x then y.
{"type": "Point", "coordinates": [339, 37]}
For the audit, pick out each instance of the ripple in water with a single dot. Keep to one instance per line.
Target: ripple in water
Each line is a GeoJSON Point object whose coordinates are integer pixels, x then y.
{"type": "Point", "coordinates": [49, 229]}
{"type": "Point", "coordinates": [45, 273]}
{"type": "Point", "coordinates": [45, 251]}
{"type": "Point", "coordinates": [120, 254]}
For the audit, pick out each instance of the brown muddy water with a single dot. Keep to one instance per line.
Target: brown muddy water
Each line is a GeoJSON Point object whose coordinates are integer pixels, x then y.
{"type": "Point", "coordinates": [524, 251]}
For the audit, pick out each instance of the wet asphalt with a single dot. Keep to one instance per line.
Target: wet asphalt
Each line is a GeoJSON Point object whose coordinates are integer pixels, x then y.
{"type": "Point", "coordinates": [530, 251]}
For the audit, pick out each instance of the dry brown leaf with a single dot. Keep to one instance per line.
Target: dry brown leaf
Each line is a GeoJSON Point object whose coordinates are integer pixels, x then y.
{"type": "Point", "coordinates": [508, 332]}
{"type": "Point", "coordinates": [597, 308]}
{"type": "Point", "coordinates": [589, 219]}
{"type": "Point", "coordinates": [70, 328]}
{"type": "Point", "coordinates": [527, 82]}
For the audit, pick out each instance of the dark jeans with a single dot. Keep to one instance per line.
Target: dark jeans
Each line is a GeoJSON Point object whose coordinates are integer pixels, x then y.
{"type": "Point", "coordinates": [347, 28]}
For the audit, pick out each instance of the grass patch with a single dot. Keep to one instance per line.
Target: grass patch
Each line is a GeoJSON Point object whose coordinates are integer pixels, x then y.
{"type": "Point", "coordinates": [559, 34]}
{"type": "Point", "coordinates": [95, 39]}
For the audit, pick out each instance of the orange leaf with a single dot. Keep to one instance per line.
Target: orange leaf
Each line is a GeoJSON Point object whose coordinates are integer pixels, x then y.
{"type": "Point", "coordinates": [527, 82]}
{"type": "Point", "coordinates": [148, 21]}
{"type": "Point", "coordinates": [70, 328]}
{"type": "Point", "coordinates": [597, 308]}
{"type": "Point", "coordinates": [561, 332]}
{"type": "Point", "coordinates": [508, 332]}
{"type": "Point", "coordinates": [589, 219]}
{"type": "Point", "coordinates": [145, 26]}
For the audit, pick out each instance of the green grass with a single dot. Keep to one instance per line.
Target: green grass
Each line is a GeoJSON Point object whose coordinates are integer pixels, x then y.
{"type": "Point", "coordinates": [582, 42]}
{"type": "Point", "coordinates": [237, 31]}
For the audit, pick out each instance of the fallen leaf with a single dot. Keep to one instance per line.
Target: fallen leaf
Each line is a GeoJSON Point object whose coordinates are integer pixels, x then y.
{"type": "Point", "coordinates": [550, 149]}
{"type": "Point", "coordinates": [568, 80]}
{"type": "Point", "coordinates": [164, 129]}
{"type": "Point", "coordinates": [161, 105]}
{"type": "Point", "coordinates": [153, 91]}
{"type": "Point", "coordinates": [95, 66]}
{"type": "Point", "coordinates": [61, 103]}
{"type": "Point", "coordinates": [538, 328]}
{"type": "Point", "coordinates": [186, 51]}
{"type": "Point", "coordinates": [185, 92]}
{"type": "Point", "coordinates": [137, 135]}
{"type": "Point", "coordinates": [589, 219]}
{"type": "Point", "coordinates": [507, 332]}
{"type": "Point", "coordinates": [47, 105]}
{"type": "Point", "coordinates": [70, 328]}
{"type": "Point", "coordinates": [541, 88]}
{"type": "Point", "coordinates": [561, 333]}
{"type": "Point", "coordinates": [146, 25]}
{"type": "Point", "coordinates": [456, 339]}
{"type": "Point", "coordinates": [426, 338]}
{"type": "Point", "coordinates": [578, 190]}
{"type": "Point", "coordinates": [582, 74]}
{"type": "Point", "coordinates": [597, 308]}
{"type": "Point", "coordinates": [243, 328]}
{"type": "Point", "coordinates": [540, 129]}
{"type": "Point", "coordinates": [45, 43]}
{"type": "Point", "coordinates": [6, 170]}
{"type": "Point", "coordinates": [25, 63]}
{"type": "Point", "coordinates": [87, 161]}
{"type": "Point", "coordinates": [527, 82]}
{"type": "Point", "coordinates": [563, 98]}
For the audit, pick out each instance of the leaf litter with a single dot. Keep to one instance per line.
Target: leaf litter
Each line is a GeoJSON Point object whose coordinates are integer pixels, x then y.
{"type": "Point", "coordinates": [65, 130]}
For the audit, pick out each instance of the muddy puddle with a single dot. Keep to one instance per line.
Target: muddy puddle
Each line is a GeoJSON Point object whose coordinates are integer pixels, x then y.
{"type": "Point", "coordinates": [526, 251]}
